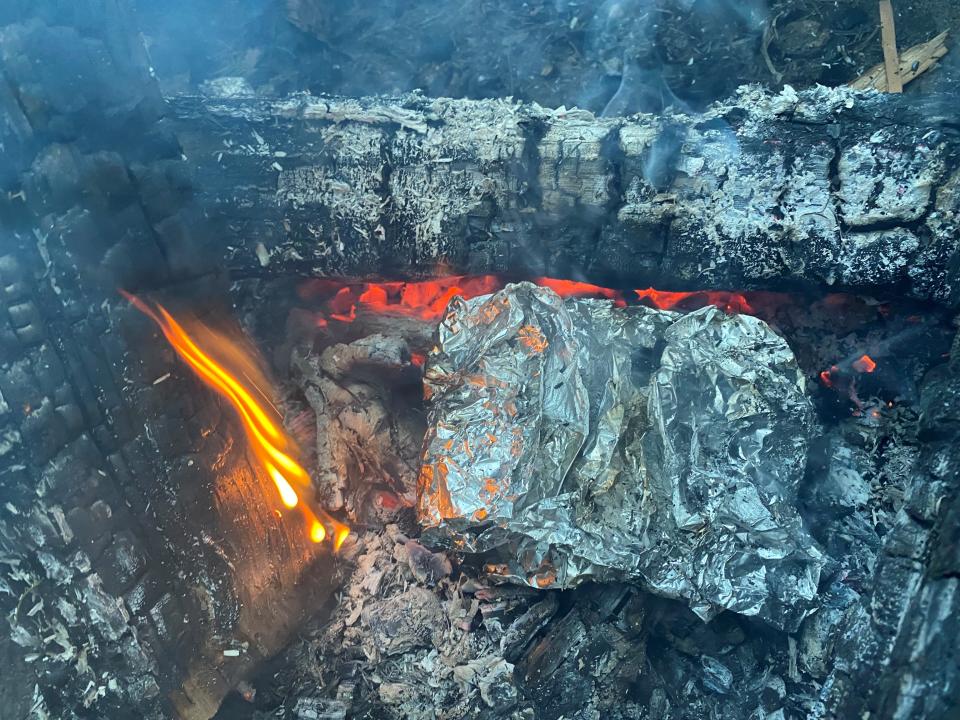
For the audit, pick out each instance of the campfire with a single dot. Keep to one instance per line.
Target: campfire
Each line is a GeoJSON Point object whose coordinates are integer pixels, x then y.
{"type": "Point", "coordinates": [483, 360]}
{"type": "Point", "coordinates": [268, 442]}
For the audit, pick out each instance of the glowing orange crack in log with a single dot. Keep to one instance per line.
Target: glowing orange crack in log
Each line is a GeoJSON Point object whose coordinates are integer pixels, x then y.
{"type": "Point", "coordinates": [269, 442]}
{"type": "Point", "coordinates": [427, 299]}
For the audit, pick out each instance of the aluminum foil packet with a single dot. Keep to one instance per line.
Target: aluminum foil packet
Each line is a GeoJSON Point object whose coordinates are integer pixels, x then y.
{"type": "Point", "coordinates": [571, 440]}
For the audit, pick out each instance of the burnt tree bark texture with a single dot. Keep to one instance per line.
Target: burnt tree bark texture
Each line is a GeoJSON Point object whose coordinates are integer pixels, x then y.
{"type": "Point", "coordinates": [827, 187]}
{"type": "Point", "coordinates": [895, 655]}
{"type": "Point", "coordinates": [137, 544]}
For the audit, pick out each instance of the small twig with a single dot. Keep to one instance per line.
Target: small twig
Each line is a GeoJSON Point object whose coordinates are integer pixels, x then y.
{"type": "Point", "coordinates": [862, 43]}
{"type": "Point", "coordinates": [769, 33]}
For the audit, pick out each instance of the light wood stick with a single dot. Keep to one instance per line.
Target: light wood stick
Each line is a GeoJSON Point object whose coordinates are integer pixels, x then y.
{"type": "Point", "coordinates": [891, 58]}
{"type": "Point", "coordinates": [913, 62]}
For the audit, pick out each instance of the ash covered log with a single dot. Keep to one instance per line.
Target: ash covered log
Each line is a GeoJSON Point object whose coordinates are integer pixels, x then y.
{"type": "Point", "coordinates": [822, 187]}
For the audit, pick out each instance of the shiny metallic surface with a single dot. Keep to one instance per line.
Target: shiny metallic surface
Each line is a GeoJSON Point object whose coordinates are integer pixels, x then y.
{"type": "Point", "coordinates": [572, 440]}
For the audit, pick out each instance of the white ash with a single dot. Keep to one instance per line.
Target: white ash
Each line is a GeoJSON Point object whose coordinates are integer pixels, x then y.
{"type": "Point", "coordinates": [412, 649]}
{"type": "Point", "coordinates": [367, 438]}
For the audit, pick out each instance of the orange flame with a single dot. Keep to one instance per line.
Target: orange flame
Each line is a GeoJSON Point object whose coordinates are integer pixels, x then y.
{"type": "Point", "coordinates": [269, 443]}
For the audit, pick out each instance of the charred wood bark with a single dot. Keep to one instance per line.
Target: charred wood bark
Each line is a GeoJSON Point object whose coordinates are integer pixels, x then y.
{"type": "Point", "coordinates": [824, 188]}
{"type": "Point", "coordinates": [890, 659]}
{"type": "Point", "coordinates": [135, 581]}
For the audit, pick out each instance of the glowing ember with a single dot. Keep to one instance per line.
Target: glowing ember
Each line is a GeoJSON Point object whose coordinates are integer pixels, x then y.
{"type": "Point", "coordinates": [427, 299]}
{"type": "Point", "coordinates": [572, 288]}
{"type": "Point", "coordinates": [825, 376]}
{"type": "Point", "coordinates": [730, 302]}
{"type": "Point", "coordinates": [864, 364]}
{"type": "Point", "coordinates": [270, 444]}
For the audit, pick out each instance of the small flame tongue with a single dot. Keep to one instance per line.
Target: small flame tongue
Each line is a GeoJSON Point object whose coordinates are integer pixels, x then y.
{"type": "Point", "coordinates": [270, 444]}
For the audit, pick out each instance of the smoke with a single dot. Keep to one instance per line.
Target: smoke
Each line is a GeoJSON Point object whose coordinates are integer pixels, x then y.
{"type": "Point", "coordinates": [609, 56]}
{"type": "Point", "coordinates": [614, 57]}
{"type": "Point", "coordinates": [191, 41]}
{"type": "Point", "coordinates": [677, 53]}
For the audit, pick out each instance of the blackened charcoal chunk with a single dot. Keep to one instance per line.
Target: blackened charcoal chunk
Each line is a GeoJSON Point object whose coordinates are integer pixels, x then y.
{"type": "Point", "coordinates": [940, 405]}
{"type": "Point", "coordinates": [92, 533]}
{"type": "Point", "coordinates": [72, 417]}
{"type": "Point", "coordinates": [60, 475]}
{"type": "Point", "coordinates": [44, 430]}
{"type": "Point", "coordinates": [105, 611]}
{"type": "Point", "coordinates": [19, 386]}
{"type": "Point", "coordinates": [47, 368]}
{"type": "Point", "coordinates": [523, 629]}
{"type": "Point", "coordinates": [121, 564]}
{"type": "Point", "coordinates": [47, 65]}
{"type": "Point", "coordinates": [54, 178]}
{"type": "Point", "coordinates": [145, 592]}
{"type": "Point", "coordinates": [164, 187]}
{"type": "Point", "coordinates": [168, 618]}
{"type": "Point", "coordinates": [24, 315]}
{"type": "Point", "coordinates": [181, 237]}
{"type": "Point", "coordinates": [550, 673]}
{"type": "Point", "coordinates": [106, 182]}
{"type": "Point", "coordinates": [30, 334]}
{"type": "Point", "coordinates": [565, 636]}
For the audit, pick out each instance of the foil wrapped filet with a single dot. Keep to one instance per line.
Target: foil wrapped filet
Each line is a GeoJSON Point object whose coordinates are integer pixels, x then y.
{"type": "Point", "coordinates": [572, 440]}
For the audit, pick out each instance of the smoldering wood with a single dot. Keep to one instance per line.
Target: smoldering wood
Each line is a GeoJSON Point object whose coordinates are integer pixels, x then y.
{"type": "Point", "coordinates": [57, 358]}
{"type": "Point", "coordinates": [825, 187]}
{"type": "Point", "coordinates": [368, 432]}
{"type": "Point", "coordinates": [154, 584]}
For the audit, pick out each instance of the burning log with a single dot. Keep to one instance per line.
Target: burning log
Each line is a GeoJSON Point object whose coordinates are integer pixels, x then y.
{"type": "Point", "coordinates": [826, 187]}
{"type": "Point", "coordinates": [269, 443]}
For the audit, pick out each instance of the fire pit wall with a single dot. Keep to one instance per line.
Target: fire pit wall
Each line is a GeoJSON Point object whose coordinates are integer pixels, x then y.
{"type": "Point", "coordinates": [126, 485]}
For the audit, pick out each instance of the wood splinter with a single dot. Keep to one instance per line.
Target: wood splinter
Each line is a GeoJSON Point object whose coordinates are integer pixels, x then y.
{"type": "Point", "coordinates": [913, 62]}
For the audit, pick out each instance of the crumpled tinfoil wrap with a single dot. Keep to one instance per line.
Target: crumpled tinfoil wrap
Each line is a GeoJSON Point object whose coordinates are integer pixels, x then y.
{"type": "Point", "coordinates": [572, 440]}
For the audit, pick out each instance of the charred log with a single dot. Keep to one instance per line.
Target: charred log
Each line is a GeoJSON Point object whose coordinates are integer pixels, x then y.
{"type": "Point", "coordinates": [135, 582]}
{"type": "Point", "coordinates": [824, 187]}
{"type": "Point", "coordinates": [883, 661]}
